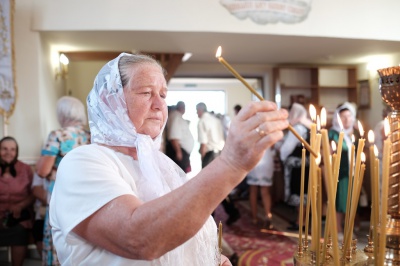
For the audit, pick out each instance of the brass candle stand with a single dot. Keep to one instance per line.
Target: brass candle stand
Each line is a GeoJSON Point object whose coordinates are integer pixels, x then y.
{"type": "Point", "coordinates": [389, 85]}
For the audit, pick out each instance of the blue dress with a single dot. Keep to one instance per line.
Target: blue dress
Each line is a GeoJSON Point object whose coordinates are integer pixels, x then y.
{"type": "Point", "coordinates": [58, 144]}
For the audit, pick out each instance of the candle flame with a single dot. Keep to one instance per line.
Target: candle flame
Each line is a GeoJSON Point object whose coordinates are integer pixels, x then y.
{"type": "Point", "coordinates": [363, 157]}
{"type": "Point", "coordinates": [339, 121]}
{"type": "Point", "coordinates": [323, 117]}
{"type": "Point", "coordinates": [219, 52]}
{"type": "Point", "coordinates": [386, 127]}
{"type": "Point", "coordinates": [313, 112]}
{"type": "Point", "coordinates": [371, 137]}
{"type": "Point", "coordinates": [360, 128]}
{"type": "Point", "coordinates": [376, 152]}
{"type": "Point", "coordinates": [318, 159]}
{"type": "Point", "coordinates": [333, 145]}
{"type": "Point", "coordinates": [353, 139]}
{"type": "Point", "coordinates": [318, 123]}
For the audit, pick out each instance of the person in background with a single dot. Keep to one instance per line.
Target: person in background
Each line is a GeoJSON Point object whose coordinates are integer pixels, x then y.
{"type": "Point", "coordinates": [180, 140]}
{"type": "Point", "coordinates": [39, 190]}
{"type": "Point", "coordinates": [347, 115]}
{"type": "Point", "coordinates": [379, 131]}
{"type": "Point", "coordinates": [139, 206]}
{"type": "Point", "coordinates": [211, 139]}
{"type": "Point", "coordinates": [72, 117]}
{"type": "Point", "coordinates": [290, 155]}
{"type": "Point", "coordinates": [261, 177]}
{"type": "Point", "coordinates": [16, 201]}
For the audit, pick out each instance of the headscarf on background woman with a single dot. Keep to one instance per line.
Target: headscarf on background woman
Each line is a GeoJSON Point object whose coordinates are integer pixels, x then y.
{"type": "Point", "coordinates": [349, 130]}
{"type": "Point", "coordinates": [9, 167]}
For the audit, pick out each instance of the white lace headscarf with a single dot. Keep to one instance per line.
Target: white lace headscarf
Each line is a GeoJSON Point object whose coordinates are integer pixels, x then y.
{"type": "Point", "coordinates": [336, 125]}
{"type": "Point", "coordinates": [110, 125]}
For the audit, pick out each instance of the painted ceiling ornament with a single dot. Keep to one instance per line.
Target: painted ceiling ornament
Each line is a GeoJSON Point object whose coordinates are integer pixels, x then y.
{"type": "Point", "coordinates": [269, 11]}
{"type": "Point", "coordinates": [8, 90]}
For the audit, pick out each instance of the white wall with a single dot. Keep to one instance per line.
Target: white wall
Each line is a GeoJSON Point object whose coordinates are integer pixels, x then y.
{"type": "Point", "coordinates": [341, 18]}
{"type": "Point", "coordinates": [38, 90]}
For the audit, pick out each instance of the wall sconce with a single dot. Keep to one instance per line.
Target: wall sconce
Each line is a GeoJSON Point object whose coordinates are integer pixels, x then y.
{"type": "Point", "coordinates": [62, 70]}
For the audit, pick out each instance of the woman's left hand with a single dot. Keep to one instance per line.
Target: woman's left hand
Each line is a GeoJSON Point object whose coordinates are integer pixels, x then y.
{"type": "Point", "coordinates": [225, 261]}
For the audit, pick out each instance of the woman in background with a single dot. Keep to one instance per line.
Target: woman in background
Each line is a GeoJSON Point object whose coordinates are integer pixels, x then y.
{"type": "Point", "coordinates": [16, 201]}
{"type": "Point", "coordinates": [72, 117]}
{"type": "Point", "coordinates": [290, 154]}
{"type": "Point", "coordinates": [347, 114]}
{"type": "Point", "coordinates": [261, 177]}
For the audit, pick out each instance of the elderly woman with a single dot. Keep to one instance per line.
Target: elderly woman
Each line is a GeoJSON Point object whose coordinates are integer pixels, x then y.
{"type": "Point", "coordinates": [120, 201]}
{"type": "Point", "coordinates": [72, 117]}
{"type": "Point", "coordinates": [16, 201]}
{"type": "Point", "coordinates": [290, 155]}
{"type": "Point", "coordinates": [347, 115]}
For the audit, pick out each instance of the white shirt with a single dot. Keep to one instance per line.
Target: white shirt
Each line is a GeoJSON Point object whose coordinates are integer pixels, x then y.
{"type": "Point", "coordinates": [211, 132]}
{"type": "Point", "coordinates": [178, 128]}
{"type": "Point", "coordinates": [290, 142]}
{"type": "Point", "coordinates": [89, 177]}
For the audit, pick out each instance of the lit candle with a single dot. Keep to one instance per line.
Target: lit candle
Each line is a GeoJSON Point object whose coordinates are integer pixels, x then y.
{"type": "Point", "coordinates": [351, 181]}
{"type": "Point", "coordinates": [319, 207]}
{"type": "Point", "coordinates": [371, 139]}
{"type": "Point", "coordinates": [303, 170]}
{"type": "Point", "coordinates": [240, 78]}
{"type": "Point", "coordinates": [339, 150]}
{"type": "Point", "coordinates": [357, 182]}
{"type": "Point", "coordinates": [330, 189]}
{"type": "Point", "coordinates": [310, 184]}
{"type": "Point", "coordinates": [313, 179]}
{"type": "Point", "coordinates": [385, 187]}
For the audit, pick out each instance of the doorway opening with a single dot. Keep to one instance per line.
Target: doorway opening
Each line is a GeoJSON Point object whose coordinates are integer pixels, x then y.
{"type": "Point", "coordinates": [215, 101]}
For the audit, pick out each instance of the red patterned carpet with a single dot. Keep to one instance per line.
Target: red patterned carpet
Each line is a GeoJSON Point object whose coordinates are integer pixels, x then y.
{"type": "Point", "coordinates": [255, 248]}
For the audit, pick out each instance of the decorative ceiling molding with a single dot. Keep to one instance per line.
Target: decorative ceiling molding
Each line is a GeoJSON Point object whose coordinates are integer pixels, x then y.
{"type": "Point", "coordinates": [269, 11]}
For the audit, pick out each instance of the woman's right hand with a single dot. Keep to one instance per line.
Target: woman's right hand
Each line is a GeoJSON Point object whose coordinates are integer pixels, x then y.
{"type": "Point", "coordinates": [257, 127]}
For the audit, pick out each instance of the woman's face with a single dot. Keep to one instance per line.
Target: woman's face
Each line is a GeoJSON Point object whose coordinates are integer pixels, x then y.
{"type": "Point", "coordinates": [145, 98]}
{"type": "Point", "coordinates": [8, 150]}
{"type": "Point", "coordinates": [347, 119]}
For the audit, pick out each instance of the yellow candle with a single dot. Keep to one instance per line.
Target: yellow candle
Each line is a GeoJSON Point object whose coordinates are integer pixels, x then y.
{"type": "Point", "coordinates": [314, 214]}
{"type": "Point", "coordinates": [313, 179]}
{"type": "Point", "coordinates": [385, 188]}
{"type": "Point", "coordinates": [375, 202]}
{"type": "Point", "coordinates": [350, 186]}
{"type": "Point", "coordinates": [241, 79]}
{"type": "Point", "coordinates": [339, 149]}
{"type": "Point", "coordinates": [331, 196]}
{"type": "Point", "coordinates": [313, 132]}
{"type": "Point", "coordinates": [319, 209]}
{"type": "Point", "coordinates": [356, 183]}
{"type": "Point", "coordinates": [371, 139]}
{"type": "Point", "coordinates": [220, 236]}
{"type": "Point", "coordinates": [303, 170]}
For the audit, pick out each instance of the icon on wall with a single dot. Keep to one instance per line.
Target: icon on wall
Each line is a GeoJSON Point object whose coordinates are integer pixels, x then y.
{"type": "Point", "coordinates": [364, 94]}
{"type": "Point", "coordinates": [269, 11]}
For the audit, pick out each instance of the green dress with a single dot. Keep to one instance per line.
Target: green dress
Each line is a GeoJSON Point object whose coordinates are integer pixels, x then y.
{"type": "Point", "coordinates": [343, 184]}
